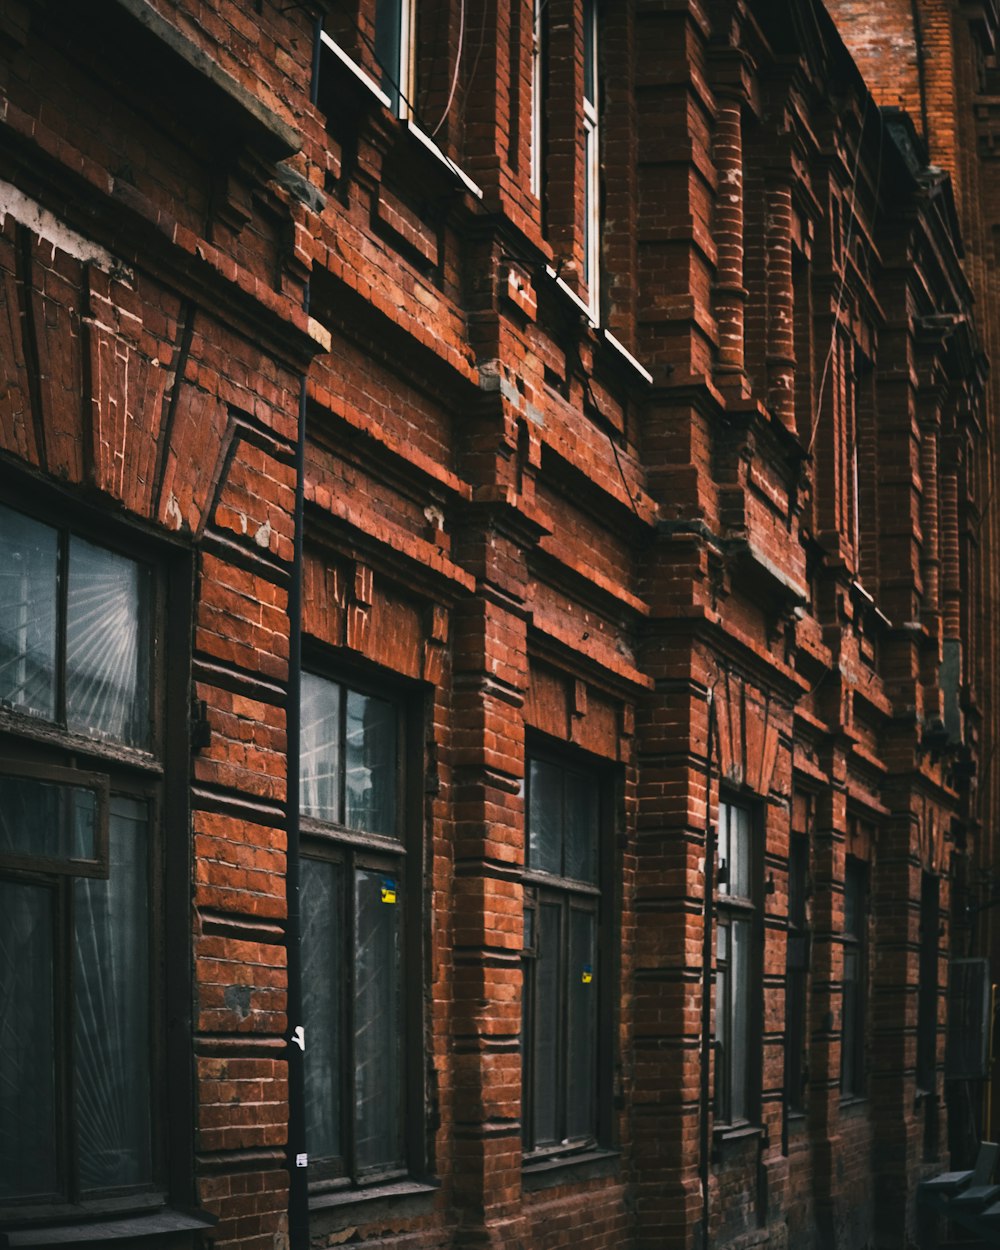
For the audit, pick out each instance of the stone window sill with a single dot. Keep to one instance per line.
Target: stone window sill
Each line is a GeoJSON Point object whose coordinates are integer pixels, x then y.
{"type": "Point", "coordinates": [568, 1169]}
{"type": "Point", "coordinates": [130, 1229]}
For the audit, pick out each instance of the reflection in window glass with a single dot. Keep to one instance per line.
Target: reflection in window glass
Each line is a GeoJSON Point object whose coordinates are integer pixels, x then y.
{"type": "Point", "coordinates": [29, 554]}
{"type": "Point", "coordinates": [370, 764]}
{"type": "Point", "coordinates": [320, 749]}
{"type": "Point", "coordinates": [107, 664]}
{"type": "Point", "coordinates": [545, 817]}
{"type": "Point", "coordinates": [563, 819]}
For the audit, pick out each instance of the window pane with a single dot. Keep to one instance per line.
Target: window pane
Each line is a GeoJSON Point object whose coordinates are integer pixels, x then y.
{"type": "Point", "coordinates": [320, 749]}
{"type": "Point", "coordinates": [377, 1059]}
{"type": "Point", "coordinates": [28, 564]}
{"type": "Point", "coordinates": [722, 984]}
{"type": "Point", "coordinates": [582, 992]}
{"type": "Point", "coordinates": [582, 816]}
{"type": "Point", "coordinates": [48, 820]}
{"type": "Point", "coordinates": [740, 1044]}
{"type": "Point", "coordinates": [589, 51]}
{"type": "Point", "coordinates": [112, 1009]}
{"type": "Point", "coordinates": [370, 765]}
{"type": "Point", "coordinates": [321, 902]}
{"type": "Point", "coordinates": [545, 1054]}
{"type": "Point", "coordinates": [388, 46]}
{"type": "Point", "coordinates": [27, 1047]}
{"type": "Point", "coordinates": [545, 817]}
{"type": "Point", "coordinates": [107, 661]}
{"type": "Point", "coordinates": [739, 851]}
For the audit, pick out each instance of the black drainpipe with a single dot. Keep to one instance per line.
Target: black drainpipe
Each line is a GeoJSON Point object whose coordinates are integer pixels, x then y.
{"type": "Point", "coordinates": [298, 1172]}
{"type": "Point", "coordinates": [297, 1157]}
{"type": "Point", "coordinates": [706, 964]}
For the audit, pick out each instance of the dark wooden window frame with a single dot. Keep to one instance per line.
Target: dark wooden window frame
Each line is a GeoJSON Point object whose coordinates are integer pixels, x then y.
{"type": "Point", "coordinates": [796, 974]}
{"type": "Point", "coordinates": [600, 900]}
{"type": "Point", "coordinates": [33, 746]}
{"type": "Point", "coordinates": [853, 1022]}
{"type": "Point", "coordinates": [404, 855]}
{"type": "Point", "coordinates": [731, 908]}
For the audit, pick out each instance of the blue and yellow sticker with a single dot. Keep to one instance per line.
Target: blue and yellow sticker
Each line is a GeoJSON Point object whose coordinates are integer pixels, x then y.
{"type": "Point", "coordinates": [388, 890]}
{"type": "Point", "coordinates": [587, 975]}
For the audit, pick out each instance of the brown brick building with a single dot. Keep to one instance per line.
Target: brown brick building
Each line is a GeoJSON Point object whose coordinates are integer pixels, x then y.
{"type": "Point", "coordinates": [498, 591]}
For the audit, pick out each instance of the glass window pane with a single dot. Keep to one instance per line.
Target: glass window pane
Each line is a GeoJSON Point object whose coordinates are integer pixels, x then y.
{"type": "Point", "coordinates": [107, 658]}
{"type": "Point", "coordinates": [739, 850]}
{"type": "Point", "coordinates": [28, 570]}
{"type": "Point", "coordinates": [320, 762]}
{"type": "Point", "coordinates": [377, 1031]}
{"type": "Point", "coordinates": [370, 772]}
{"type": "Point", "coordinates": [740, 1044]}
{"type": "Point", "coordinates": [589, 51]}
{"type": "Point", "coordinates": [388, 46]}
{"type": "Point", "coordinates": [545, 1052]}
{"type": "Point", "coordinates": [28, 1149]}
{"type": "Point", "coordinates": [112, 1009]}
{"type": "Point", "coordinates": [582, 818]}
{"type": "Point", "coordinates": [44, 819]}
{"type": "Point", "coordinates": [581, 1108]}
{"type": "Point", "coordinates": [545, 817]}
{"type": "Point", "coordinates": [723, 854]}
{"type": "Point", "coordinates": [321, 902]}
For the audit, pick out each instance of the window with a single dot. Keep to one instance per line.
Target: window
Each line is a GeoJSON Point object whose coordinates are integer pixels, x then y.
{"type": "Point", "coordinates": [80, 797]}
{"type": "Point", "coordinates": [537, 97]}
{"type": "Point", "coordinates": [852, 1027]}
{"type": "Point", "coordinates": [796, 973]}
{"type": "Point", "coordinates": [394, 20]}
{"type": "Point", "coordinates": [563, 994]}
{"type": "Point", "coordinates": [353, 941]}
{"type": "Point", "coordinates": [927, 1001]}
{"type": "Point", "coordinates": [591, 161]}
{"type": "Point", "coordinates": [737, 988]}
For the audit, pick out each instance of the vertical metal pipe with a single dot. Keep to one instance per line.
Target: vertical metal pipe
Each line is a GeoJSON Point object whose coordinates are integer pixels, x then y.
{"type": "Point", "coordinates": [706, 992]}
{"type": "Point", "coordinates": [298, 1172]}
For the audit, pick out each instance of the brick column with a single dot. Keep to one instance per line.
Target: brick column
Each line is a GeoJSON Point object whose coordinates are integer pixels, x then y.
{"type": "Point", "coordinates": [780, 298]}
{"type": "Point", "coordinates": [491, 675]}
{"type": "Point", "coordinates": [729, 293]}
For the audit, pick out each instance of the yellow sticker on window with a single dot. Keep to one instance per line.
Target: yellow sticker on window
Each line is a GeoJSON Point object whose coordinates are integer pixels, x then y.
{"type": "Point", "coordinates": [388, 891]}
{"type": "Point", "coordinates": [587, 976]}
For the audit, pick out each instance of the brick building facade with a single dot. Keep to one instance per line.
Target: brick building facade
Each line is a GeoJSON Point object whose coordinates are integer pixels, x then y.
{"type": "Point", "coordinates": [497, 663]}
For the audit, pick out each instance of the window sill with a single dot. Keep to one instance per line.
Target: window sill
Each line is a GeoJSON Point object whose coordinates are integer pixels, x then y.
{"type": "Point", "coordinates": [853, 1102]}
{"type": "Point", "coordinates": [340, 1207]}
{"type": "Point", "coordinates": [585, 1166]}
{"type": "Point", "coordinates": [365, 80]}
{"type": "Point", "coordinates": [736, 1132]}
{"type": "Point", "coordinates": [159, 1224]}
{"type": "Point", "coordinates": [626, 357]}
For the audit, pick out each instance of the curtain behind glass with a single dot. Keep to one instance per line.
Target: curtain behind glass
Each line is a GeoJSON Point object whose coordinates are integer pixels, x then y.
{"type": "Point", "coordinates": [545, 1057]}
{"type": "Point", "coordinates": [28, 1149]}
{"type": "Point", "coordinates": [28, 570]}
{"type": "Point", "coordinates": [112, 1010]}
{"type": "Point", "coordinates": [377, 1036]}
{"type": "Point", "coordinates": [581, 1119]}
{"type": "Point", "coordinates": [107, 662]}
{"type": "Point", "coordinates": [322, 1003]}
